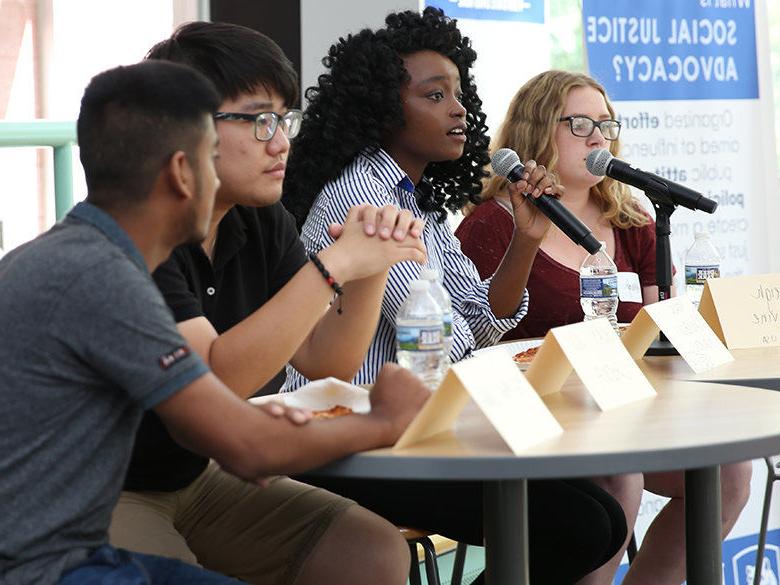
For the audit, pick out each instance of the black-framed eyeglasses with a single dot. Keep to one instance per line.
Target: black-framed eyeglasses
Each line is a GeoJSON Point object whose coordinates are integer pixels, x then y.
{"type": "Point", "coordinates": [266, 123]}
{"type": "Point", "coordinates": [584, 126]}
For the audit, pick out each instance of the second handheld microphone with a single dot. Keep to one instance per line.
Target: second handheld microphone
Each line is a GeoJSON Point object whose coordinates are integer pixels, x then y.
{"type": "Point", "coordinates": [506, 163]}
{"type": "Point", "coordinates": [601, 162]}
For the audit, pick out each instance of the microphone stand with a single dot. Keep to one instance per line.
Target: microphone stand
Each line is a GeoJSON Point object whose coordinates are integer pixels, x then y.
{"type": "Point", "coordinates": [664, 206]}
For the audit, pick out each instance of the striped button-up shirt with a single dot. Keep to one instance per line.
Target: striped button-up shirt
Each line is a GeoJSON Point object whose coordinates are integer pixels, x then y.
{"type": "Point", "coordinates": [374, 177]}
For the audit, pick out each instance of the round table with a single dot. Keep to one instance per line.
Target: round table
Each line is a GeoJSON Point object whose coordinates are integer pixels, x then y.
{"type": "Point", "coordinates": [690, 425]}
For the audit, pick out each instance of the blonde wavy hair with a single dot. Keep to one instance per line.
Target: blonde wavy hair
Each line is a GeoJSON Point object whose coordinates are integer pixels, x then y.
{"type": "Point", "coordinates": [529, 129]}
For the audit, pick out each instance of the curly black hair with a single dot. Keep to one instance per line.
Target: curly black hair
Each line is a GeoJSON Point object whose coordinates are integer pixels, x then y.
{"type": "Point", "coordinates": [358, 103]}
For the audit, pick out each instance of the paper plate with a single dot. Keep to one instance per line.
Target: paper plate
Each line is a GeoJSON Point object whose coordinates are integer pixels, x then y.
{"type": "Point", "coordinates": [321, 395]}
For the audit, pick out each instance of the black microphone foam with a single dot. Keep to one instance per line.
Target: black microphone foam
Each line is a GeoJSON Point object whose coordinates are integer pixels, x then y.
{"type": "Point", "coordinates": [506, 163]}
{"type": "Point", "coordinates": [601, 163]}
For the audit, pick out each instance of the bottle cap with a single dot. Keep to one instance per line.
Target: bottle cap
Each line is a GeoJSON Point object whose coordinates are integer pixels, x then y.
{"type": "Point", "coordinates": [419, 285]}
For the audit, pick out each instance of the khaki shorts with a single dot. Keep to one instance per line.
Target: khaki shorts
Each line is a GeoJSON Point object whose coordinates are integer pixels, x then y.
{"type": "Point", "coordinates": [258, 534]}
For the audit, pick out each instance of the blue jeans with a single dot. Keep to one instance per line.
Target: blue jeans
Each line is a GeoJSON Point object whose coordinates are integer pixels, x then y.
{"type": "Point", "coordinates": [112, 566]}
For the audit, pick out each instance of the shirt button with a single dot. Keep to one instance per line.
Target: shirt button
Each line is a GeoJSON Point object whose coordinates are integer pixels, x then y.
{"type": "Point", "coordinates": [210, 291]}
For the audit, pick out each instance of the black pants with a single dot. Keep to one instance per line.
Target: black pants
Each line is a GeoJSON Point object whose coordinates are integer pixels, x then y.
{"type": "Point", "coordinates": [574, 526]}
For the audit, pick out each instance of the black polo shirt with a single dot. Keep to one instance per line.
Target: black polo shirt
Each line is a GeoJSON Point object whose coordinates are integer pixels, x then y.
{"type": "Point", "coordinates": [257, 252]}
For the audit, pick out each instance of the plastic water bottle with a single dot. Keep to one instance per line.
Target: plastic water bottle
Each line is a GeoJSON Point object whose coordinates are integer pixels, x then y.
{"type": "Point", "coordinates": [418, 330]}
{"type": "Point", "coordinates": [441, 296]}
{"type": "Point", "coordinates": [702, 261]}
{"type": "Point", "coordinates": [599, 287]}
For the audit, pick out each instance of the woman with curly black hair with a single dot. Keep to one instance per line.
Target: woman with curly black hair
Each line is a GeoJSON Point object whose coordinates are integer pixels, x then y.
{"type": "Point", "coordinates": [359, 104]}
{"type": "Point", "coordinates": [397, 122]}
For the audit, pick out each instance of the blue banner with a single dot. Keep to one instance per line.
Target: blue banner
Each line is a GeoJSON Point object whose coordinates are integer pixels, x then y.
{"type": "Point", "coordinates": [739, 560]}
{"type": "Point", "coordinates": [516, 10]}
{"type": "Point", "coordinates": [672, 49]}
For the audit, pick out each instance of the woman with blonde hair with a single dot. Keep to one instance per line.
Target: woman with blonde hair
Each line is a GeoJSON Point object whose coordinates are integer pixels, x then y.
{"type": "Point", "coordinates": [557, 118]}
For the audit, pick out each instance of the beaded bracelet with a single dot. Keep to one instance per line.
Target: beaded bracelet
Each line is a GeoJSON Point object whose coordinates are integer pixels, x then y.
{"type": "Point", "coordinates": [328, 278]}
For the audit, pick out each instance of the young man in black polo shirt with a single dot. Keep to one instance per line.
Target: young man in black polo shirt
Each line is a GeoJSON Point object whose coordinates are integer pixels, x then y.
{"type": "Point", "coordinates": [248, 301]}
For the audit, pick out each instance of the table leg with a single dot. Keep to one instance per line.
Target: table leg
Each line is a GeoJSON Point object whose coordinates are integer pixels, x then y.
{"type": "Point", "coordinates": [505, 505]}
{"type": "Point", "coordinates": [703, 526]}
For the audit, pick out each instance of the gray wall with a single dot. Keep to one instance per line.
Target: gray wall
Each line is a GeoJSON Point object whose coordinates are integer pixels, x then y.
{"type": "Point", "coordinates": [324, 21]}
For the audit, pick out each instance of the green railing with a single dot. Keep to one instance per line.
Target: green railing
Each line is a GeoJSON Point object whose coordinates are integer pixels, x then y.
{"type": "Point", "coordinates": [59, 135]}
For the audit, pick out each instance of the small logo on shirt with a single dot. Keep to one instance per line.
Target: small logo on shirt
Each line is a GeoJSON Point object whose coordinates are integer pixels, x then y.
{"type": "Point", "coordinates": [170, 358]}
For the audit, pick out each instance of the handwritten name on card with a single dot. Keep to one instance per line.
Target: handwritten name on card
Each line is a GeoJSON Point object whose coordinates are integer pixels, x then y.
{"type": "Point", "coordinates": [500, 391]}
{"type": "Point", "coordinates": [744, 311]}
{"type": "Point", "coordinates": [603, 364]}
{"type": "Point", "coordinates": [689, 333]}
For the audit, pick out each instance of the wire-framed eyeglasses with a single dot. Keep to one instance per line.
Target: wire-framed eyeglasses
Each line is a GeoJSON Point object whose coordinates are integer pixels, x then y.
{"type": "Point", "coordinates": [584, 126]}
{"type": "Point", "coordinates": [266, 123]}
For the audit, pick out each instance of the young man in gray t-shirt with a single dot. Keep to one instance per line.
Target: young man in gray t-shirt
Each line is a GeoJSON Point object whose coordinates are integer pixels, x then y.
{"type": "Point", "coordinates": [88, 344]}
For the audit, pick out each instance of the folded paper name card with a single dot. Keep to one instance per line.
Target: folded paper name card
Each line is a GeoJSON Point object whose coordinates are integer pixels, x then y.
{"type": "Point", "coordinates": [744, 311]}
{"type": "Point", "coordinates": [500, 391]}
{"type": "Point", "coordinates": [686, 329]}
{"type": "Point", "coordinates": [594, 351]}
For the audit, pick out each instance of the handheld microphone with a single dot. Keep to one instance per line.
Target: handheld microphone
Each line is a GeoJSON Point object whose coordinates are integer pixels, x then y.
{"type": "Point", "coordinates": [601, 162]}
{"type": "Point", "coordinates": [506, 163]}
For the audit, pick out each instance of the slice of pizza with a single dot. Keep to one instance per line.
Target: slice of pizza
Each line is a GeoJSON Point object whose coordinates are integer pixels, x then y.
{"type": "Point", "coordinates": [333, 411]}
{"type": "Point", "coordinates": [525, 357]}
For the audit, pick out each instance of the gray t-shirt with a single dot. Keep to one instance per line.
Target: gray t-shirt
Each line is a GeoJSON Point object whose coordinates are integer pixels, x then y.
{"type": "Point", "coordinates": [86, 343]}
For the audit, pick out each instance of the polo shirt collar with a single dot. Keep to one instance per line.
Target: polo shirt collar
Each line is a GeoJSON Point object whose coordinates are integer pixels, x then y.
{"type": "Point", "coordinates": [386, 169]}
{"type": "Point", "coordinates": [91, 214]}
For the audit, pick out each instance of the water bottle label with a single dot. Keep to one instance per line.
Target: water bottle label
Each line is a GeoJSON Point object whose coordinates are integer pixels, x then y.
{"type": "Point", "coordinates": [447, 325]}
{"type": "Point", "coordinates": [598, 287]}
{"type": "Point", "coordinates": [419, 338]}
{"type": "Point", "coordinates": [698, 274]}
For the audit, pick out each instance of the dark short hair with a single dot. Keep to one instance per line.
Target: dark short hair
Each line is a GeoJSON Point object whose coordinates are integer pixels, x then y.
{"type": "Point", "coordinates": [132, 120]}
{"type": "Point", "coordinates": [237, 59]}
